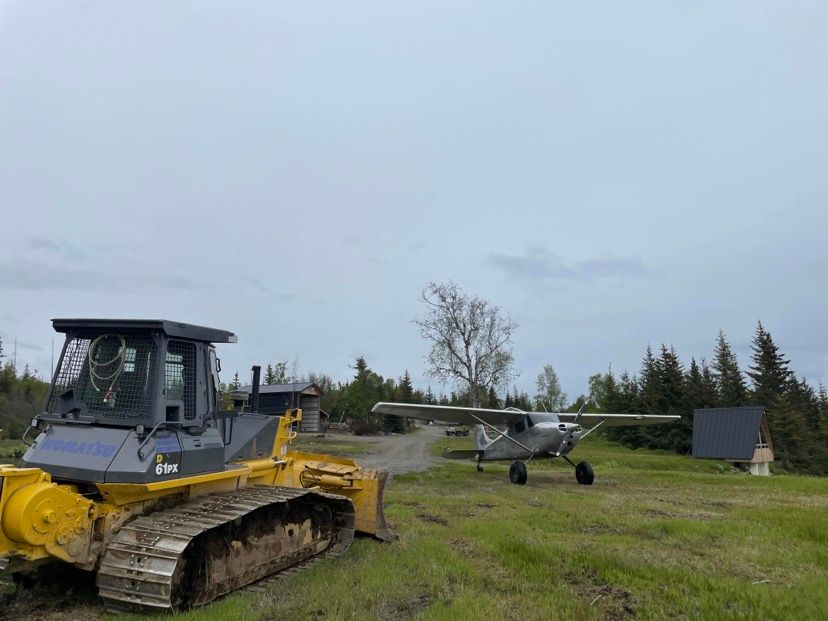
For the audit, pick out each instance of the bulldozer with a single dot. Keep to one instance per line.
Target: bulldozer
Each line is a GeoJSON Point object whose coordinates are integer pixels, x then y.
{"type": "Point", "coordinates": [135, 472]}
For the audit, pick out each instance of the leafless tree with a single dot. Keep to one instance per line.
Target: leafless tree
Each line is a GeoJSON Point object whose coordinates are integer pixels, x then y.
{"type": "Point", "coordinates": [470, 339]}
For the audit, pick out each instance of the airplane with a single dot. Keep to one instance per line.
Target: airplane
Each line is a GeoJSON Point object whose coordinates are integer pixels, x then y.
{"type": "Point", "coordinates": [528, 435]}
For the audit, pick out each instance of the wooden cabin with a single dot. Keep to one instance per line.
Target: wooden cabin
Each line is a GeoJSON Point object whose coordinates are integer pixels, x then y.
{"type": "Point", "coordinates": [739, 435]}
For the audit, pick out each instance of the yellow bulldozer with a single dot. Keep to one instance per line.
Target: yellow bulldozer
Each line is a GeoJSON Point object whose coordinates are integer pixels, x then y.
{"type": "Point", "coordinates": [133, 472]}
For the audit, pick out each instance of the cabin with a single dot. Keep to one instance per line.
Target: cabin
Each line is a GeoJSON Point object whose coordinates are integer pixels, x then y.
{"type": "Point", "coordinates": [738, 435]}
{"type": "Point", "coordinates": [276, 398]}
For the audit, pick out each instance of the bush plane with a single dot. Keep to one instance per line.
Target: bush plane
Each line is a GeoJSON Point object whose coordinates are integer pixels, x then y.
{"type": "Point", "coordinates": [527, 435]}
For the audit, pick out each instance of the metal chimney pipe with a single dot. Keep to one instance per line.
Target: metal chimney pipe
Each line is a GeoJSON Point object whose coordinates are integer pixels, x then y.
{"type": "Point", "coordinates": [254, 395]}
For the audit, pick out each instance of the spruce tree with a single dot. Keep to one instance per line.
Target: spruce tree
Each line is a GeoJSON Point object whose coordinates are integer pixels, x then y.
{"type": "Point", "coordinates": [405, 390]}
{"type": "Point", "coordinates": [429, 398]}
{"type": "Point", "coordinates": [731, 383]}
{"type": "Point", "coordinates": [674, 436]}
{"type": "Point", "coordinates": [492, 400]}
{"type": "Point", "coordinates": [709, 385]}
{"type": "Point", "coordinates": [236, 383]}
{"type": "Point", "coordinates": [770, 374]}
{"type": "Point", "coordinates": [270, 375]}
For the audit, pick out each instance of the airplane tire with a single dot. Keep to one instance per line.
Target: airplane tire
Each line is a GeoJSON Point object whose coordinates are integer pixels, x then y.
{"type": "Point", "coordinates": [517, 473]}
{"type": "Point", "coordinates": [584, 474]}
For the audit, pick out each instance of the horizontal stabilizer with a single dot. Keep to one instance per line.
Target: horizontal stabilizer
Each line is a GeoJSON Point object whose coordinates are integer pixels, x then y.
{"type": "Point", "coordinates": [460, 454]}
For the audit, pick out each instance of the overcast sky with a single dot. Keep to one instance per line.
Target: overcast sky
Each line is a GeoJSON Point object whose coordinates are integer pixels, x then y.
{"type": "Point", "coordinates": [610, 174]}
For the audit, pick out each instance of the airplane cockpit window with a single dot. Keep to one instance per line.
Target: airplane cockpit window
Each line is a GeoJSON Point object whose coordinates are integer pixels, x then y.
{"type": "Point", "coordinates": [520, 427]}
{"type": "Point", "coordinates": [530, 422]}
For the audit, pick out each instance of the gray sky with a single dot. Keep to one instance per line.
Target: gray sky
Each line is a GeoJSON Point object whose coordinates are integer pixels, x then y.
{"type": "Point", "coordinates": [611, 174]}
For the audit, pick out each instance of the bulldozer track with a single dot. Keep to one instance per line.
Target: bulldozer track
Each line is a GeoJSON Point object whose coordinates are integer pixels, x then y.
{"type": "Point", "coordinates": [190, 554]}
{"type": "Point", "coordinates": [266, 584]}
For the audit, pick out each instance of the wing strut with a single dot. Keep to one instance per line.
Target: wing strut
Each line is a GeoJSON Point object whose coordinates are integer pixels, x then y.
{"type": "Point", "coordinates": [603, 420]}
{"type": "Point", "coordinates": [503, 435]}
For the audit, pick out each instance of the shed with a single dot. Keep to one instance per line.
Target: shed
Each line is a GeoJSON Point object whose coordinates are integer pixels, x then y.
{"type": "Point", "coordinates": [276, 398]}
{"type": "Point", "coordinates": [739, 435]}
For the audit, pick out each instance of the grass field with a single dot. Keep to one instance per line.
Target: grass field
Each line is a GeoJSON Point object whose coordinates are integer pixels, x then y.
{"type": "Point", "coordinates": [657, 536]}
{"type": "Point", "coordinates": [336, 444]}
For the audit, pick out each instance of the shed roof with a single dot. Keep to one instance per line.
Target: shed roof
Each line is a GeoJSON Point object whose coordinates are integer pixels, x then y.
{"type": "Point", "coordinates": [726, 433]}
{"type": "Point", "coordinates": [300, 387]}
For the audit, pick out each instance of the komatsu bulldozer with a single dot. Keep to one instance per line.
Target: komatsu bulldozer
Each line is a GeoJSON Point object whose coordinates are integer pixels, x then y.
{"type": "Point", "coordinates": [134, 472]}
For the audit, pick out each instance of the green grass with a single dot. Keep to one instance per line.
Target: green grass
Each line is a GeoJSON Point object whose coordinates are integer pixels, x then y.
{"type": "Point", "coordinates": [657, 536]}
{"type": "Point", "coordinates": [334, 444]}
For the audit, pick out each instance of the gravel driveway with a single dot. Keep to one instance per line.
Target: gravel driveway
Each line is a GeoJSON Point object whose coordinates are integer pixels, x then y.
{"type": "Point", "coordinates": [408, 452]}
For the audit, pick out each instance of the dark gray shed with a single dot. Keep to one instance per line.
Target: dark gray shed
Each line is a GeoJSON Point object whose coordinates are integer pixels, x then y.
{"type": "Point", "coordinates": [276, 398]}
{"type": "Point", "coordinates": [740, 435]}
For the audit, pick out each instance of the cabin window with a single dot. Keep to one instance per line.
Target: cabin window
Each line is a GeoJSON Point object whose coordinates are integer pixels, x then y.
{"type": "Point", "coordinates": [520, 427]}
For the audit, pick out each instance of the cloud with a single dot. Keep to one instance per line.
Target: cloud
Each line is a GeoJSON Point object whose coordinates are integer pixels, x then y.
{"type": "Point", "coordinates": [62, 248]}
{"type": "Point", "coordinates": [538, 262]}
{"type": "Point", "coordinates": [28, 275]}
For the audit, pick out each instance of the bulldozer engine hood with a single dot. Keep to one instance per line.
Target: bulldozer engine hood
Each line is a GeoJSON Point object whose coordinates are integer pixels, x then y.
{"type": "Point", "coordinates": [113, 455]}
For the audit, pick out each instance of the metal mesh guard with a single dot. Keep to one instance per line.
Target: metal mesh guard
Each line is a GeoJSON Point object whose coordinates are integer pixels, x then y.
{"type": "Point", "coordinates": [179, 375]}
{"type": "Point", "coordinates": [118, 382]}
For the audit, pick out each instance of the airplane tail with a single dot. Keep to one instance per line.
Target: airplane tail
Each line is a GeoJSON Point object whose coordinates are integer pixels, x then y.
{"type": "Point", "coordinates": [481, 440]}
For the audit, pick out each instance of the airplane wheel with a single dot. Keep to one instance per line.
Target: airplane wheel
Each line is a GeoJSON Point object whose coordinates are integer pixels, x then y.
{"type": "Point", "coordinates": [517, 473]}
{"type": "Point", "coordinates": [584, 474]}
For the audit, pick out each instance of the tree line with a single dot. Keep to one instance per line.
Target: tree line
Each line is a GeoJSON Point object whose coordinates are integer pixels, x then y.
{"type": "Point", "coordinates": [797, 412]}
{"type": "Point", "coordinates": [21, 397]}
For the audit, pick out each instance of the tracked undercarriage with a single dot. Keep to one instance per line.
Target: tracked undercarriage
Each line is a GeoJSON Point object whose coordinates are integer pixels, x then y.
{"type": "Point", "coordinates": [191, 554]}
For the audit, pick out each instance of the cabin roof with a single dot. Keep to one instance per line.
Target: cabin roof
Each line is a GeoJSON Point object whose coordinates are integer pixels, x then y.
{"type": "Point", "coordinates": [726, 433]}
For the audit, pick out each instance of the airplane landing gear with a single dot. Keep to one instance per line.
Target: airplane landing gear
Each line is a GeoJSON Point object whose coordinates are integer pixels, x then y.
{"type": "Point", "coordinates": [583, 471]}
{"type": "Point", "coordinates": [584, 474]}
{"type": "Point", "coordinates": [517, 473]}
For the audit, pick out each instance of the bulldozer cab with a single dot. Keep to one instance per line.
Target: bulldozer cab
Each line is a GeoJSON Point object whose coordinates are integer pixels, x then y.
{"type": "Point", "coordinates": [129, 373]}
{"type": "Point", "coordinates": [150, 389]}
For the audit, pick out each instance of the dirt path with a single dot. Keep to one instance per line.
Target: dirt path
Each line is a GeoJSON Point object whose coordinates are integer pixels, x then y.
{"type": "Point", "coordinates": [398, 454]}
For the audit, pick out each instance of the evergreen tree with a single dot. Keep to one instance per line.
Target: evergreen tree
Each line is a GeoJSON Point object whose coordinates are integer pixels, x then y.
{"type": "Point", "coordinates": [430, 399]}
{"type": "Point", "coordinates": [676, 436]}
{"type": "Point", "coordinates": [492, 400]}
{"type": "Point", "coordinates": [405, 391]}
{"type": "Point", "coordinates": [700, 387]}
{"type": "Point", "coordinates": [770, 374]}
{"type": "Point", "coordinates": [270, 375]}
{"type": "Point", "coordinates": [731, 383]}
{"type": "Point", "coordinates": [709, 386]}
{"type": "Point", "coordinates": [649, 380]}
{"type": "Point", "coordinates": [236, 383]}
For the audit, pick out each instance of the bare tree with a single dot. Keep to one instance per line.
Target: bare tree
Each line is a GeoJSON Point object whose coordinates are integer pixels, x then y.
{"type": "Point", "coordinates": [470, 339]}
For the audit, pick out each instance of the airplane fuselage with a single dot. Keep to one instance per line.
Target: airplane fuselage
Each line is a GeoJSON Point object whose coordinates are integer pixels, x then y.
{"type": "Point", "coordinates": [541, 435]}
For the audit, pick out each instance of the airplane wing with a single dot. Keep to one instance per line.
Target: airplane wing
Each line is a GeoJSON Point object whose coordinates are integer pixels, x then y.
{"type": "Point", "coordinates": [449, 414]}
{"type": "Point", "coordinates": [617, 420]}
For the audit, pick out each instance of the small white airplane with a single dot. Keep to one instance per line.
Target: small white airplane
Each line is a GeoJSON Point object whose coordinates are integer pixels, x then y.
{"type": "Point", "coordinates": [528, 435]}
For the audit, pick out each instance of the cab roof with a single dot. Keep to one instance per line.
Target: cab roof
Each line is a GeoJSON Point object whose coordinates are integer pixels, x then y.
{"type": "Point", "coordinates": [173, 329]}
